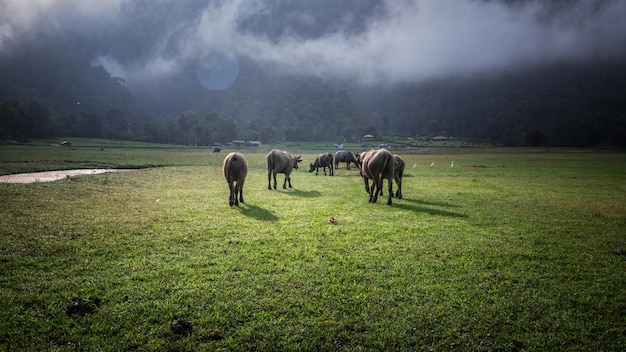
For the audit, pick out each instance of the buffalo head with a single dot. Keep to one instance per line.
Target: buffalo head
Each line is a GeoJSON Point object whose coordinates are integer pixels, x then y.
{"type": "Point", "coordinates": [296, 160]}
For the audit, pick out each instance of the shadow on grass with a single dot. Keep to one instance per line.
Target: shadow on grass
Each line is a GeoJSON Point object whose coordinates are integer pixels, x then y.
{"type": "Point", "coordinates": [434, 204]}
{"type": "Point", "coordinates": [305, 194]}
{"type": "Point", "coordinates": [426, 209]}
{"type": "Point", "coordinates": [257, 212]}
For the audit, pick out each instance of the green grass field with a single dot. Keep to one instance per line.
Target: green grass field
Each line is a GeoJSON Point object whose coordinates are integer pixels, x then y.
{"type": "Point", "coordinates": [512, 249]}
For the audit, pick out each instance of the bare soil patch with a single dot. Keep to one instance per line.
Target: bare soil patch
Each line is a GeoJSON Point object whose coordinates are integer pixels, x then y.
{"type": "Point", "coordinates": [48, 176]}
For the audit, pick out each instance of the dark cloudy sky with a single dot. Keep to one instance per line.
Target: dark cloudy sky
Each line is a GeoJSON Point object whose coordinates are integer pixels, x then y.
{"type": "Point", "coordinates": [396, 40]}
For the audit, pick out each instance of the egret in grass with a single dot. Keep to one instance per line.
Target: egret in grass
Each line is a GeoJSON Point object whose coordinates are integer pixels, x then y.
{"type": "Point", "coordinates": [432, 164]}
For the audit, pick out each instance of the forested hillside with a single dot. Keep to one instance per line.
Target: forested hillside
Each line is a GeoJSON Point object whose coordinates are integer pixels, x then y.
{"type": "Point", "coordinates": [512, 72]}
{"type": "Point", "coordinates": [66, 97]}
{"type": "Point", "coordinates": [564, 105]}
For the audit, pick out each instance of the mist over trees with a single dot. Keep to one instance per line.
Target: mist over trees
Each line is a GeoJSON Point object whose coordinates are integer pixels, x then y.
{"type": "Point", "coordinates": [77, 99]}
{"type": "Point", "coordinates": [56, 84]}
{"type": "Point", "coordinates": [560, 105]}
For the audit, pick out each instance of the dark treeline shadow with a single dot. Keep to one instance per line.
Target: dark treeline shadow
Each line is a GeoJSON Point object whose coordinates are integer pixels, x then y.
{"type": "Point", "coordinates": [257, 212]}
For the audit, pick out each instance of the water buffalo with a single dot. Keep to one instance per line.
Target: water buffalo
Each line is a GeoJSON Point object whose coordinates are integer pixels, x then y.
{"type": "Point", "coordinates": [345, 156]}
{"type": "Point", "coordinates": [324, 161]}
{"type": "Point", "coordinates": [397, 175]}
{"type": "Point", "coordinates": [377, 165]}
{"type": "Point", "coordinates": [280, 162]}
{"type": "Point", "coordinates": [398, 172]}
{"type": "Point", "coordinates": [235, 169]}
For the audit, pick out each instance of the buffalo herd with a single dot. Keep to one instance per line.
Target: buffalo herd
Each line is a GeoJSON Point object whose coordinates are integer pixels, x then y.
{"type": "Point", "coordinates": [376, 165]}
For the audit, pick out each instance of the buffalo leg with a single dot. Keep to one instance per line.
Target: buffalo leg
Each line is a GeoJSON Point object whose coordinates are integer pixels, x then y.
{"type": "Point", "coordinates": [399, 191]}
{"type": "Point", "coordinates": [390, 179]}
{"type": "Point", "coordinates": [231, 191]}
{"type": "Point", "coordinates": [240, 187]}
{"type": "Point", "coordinates": [374, 191]}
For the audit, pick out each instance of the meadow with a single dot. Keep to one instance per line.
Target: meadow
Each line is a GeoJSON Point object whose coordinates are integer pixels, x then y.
{"type": "Point", "coordinates": [510, 250]}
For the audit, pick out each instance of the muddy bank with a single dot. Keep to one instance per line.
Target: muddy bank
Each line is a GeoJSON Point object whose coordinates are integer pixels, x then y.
{"type": "Point", "coordinates": [48, 176]}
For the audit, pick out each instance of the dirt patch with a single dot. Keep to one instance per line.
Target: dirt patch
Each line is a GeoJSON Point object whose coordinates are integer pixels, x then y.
{"type": "Point", "coordinates": [48, 176]}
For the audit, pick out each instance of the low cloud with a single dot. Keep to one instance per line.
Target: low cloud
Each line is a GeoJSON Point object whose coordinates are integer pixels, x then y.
{"type": "Point", "coordinates": [418, 40]}
{"type": "Point", "coordinates": [402, 41]}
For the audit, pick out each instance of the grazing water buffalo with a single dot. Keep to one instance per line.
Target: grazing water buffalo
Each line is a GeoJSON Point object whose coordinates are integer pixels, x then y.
{"type": "Point", "coordinates": [377, 165]}
{"type": "Point", "coordinates": [347, 157]}
{"type": "Point", "coordinates": [280, 162]}
{"type": "Point", "coordinates": [324, 161]}
{"type": "Point", "coordinates": [235, 169]}
{"type": "Point", "coordinates": [398, 171]}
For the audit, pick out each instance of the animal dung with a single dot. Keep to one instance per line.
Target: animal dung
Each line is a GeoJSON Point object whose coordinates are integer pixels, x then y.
{"type": "Point", "coordinates": [181, 327]}
{"type": "Point", "coordinates": [619, 251]}
{"type": "Point", "coordinates": [332, 220]}
{"type": "Point", "coordinates": [82, 306]}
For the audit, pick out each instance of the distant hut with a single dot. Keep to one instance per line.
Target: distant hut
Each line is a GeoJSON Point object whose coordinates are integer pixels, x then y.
{"type": "Point", "coordinates": [368, 137]}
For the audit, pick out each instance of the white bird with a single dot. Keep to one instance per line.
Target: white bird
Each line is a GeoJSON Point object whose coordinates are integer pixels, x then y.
{"type": "Point", "coordinates": [452, 165]}
{"type": "Point", "coordinates": [432, 164]}
{"type": "Point", "coordinates": [414, 165]}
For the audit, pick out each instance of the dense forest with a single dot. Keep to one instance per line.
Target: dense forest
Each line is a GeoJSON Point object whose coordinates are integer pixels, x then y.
{"type": "Point", "coordinates": [563, 105]}
{"type": "Point", "coordinates": [69, 97]}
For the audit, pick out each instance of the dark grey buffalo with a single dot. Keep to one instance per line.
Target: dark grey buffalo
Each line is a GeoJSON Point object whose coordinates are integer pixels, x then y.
{"type": "Point", "coordinates": [377, 165]}
{"type": "Point", "coordinates": [280, 162]}
{"type": "Point", "coordinates": [345, 156]}
{"type": "Point", "coordinates": [324, 161]}
{"type": "Point", "coordinates": [398, 172]}
{"type": "Point", "coordinates": [235, 169]}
